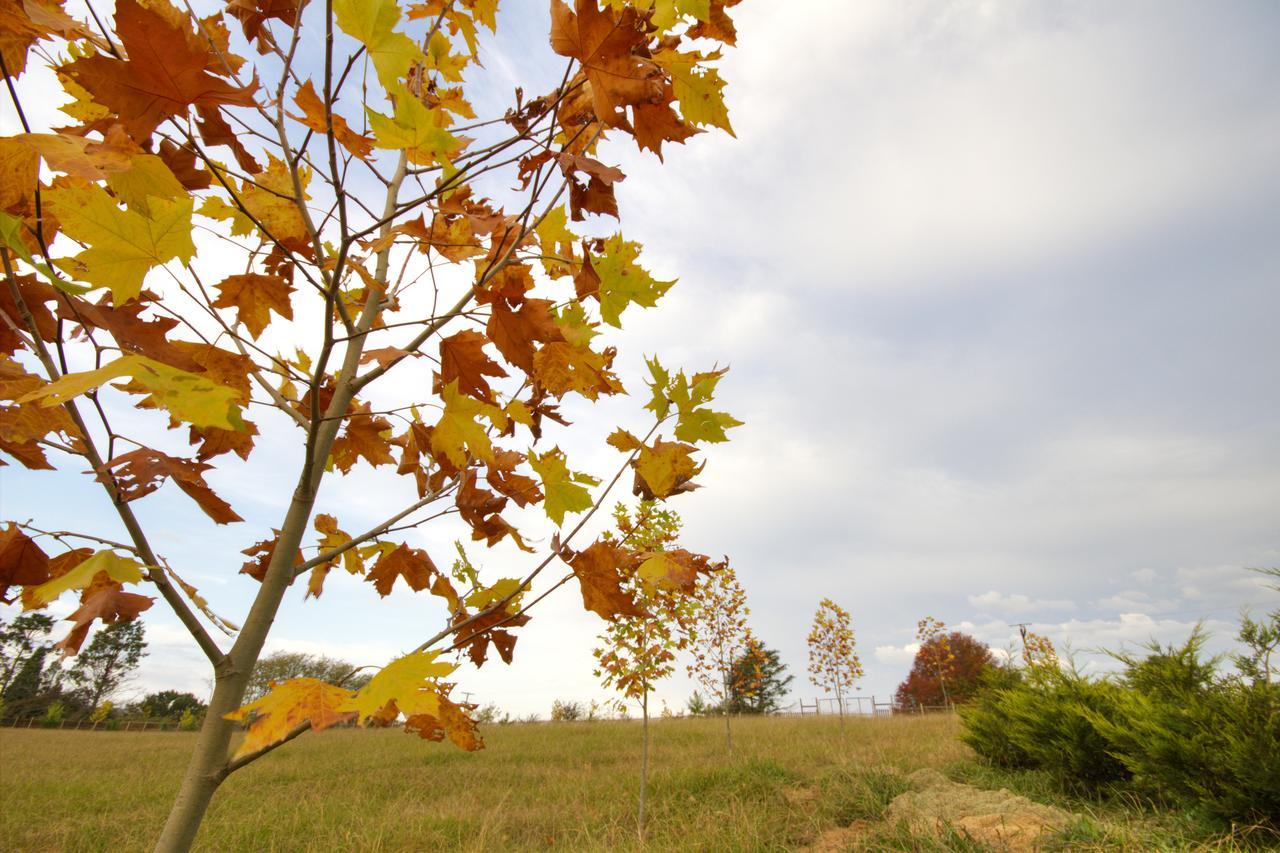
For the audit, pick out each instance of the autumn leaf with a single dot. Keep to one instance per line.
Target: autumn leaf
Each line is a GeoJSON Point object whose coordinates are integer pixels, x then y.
{"type": "Point", "coordinates": [22, 561]}
{"type": "Point", "coordinates": [565, 490]}
{"type": "Point", "coordinates": [677, 569]}
{"type": "Point", "coordinates": [606, 44]}
{"type": "Point", "coordinates": [482, 598]}
{"type": "Point", "coordinates": [602, 571]}
{"type": "Point", "coordinates": [411, 564]}
{"type": "Point", "coordinates": [515, 332]}
{"type": "Point", "coordinates": [458, 433]}
{"type": "Point", "coordinates": [142, 471]}
{"type": "Point", "coordinates": [666, 468]}
{"type": "Point", "coordinates": [254, 14]}
{"type": "Point", "coordinates": [463, 359]}
{"type": "Point", "coordinates": [698, 88]}
{"type": "Point", "coordinates": [623, 282]}
{"type": "Point", "coordinates": [189, 397]}
{"type": "Point", "coordinates": [372, 23]}
{"type": "Point", "coordinates": [108, 605]}
{"type": "Point", "coordinates": [123, 245]}
{"type": "Point", "coordinates": [165, 70]}
{"type": "Point", "coordinates": [286, 706]}
{"type": "Point", "coordinates": [260, 554]}
{"type": "Point", "coordinates": [449, 721]}
{"type": "Point", "coordinates": [254, 296]}
{"type": "Point", "coordinates": [409, 681]}
{"type": "Point", "coordinates": [418, 131]}
{"type": "Point", "coordinates": [366, 436]}
{"type": "Point", "coordinates": [112, 565]}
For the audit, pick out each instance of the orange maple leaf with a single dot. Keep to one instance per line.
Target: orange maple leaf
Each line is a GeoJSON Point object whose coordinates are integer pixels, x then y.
{"type": "Point", "coordinates": [602, 569]}
{"type": "Point", "coordinates": [254, 296]}
{"type": "Point", "coordinates": [605, 43]}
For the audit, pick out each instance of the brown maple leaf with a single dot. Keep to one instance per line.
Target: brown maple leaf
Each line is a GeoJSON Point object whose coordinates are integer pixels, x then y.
{"type": "Point", "coordinates": [254, 14]}
{"type": "Point", "coordinates": [514, 333]}
{"type": "Point", "coordinates": [164, 72]}
{"type": "Point", "coordinates": [602, 569]}
{"type": "Point", "coordinates": [109, 605]}
{"type": "Point", "coordinates": [607, 43]}
{"type": "Point", "coordinates": [260, 554]}
{"type": "Point", "coordinates": [366, 436]}
{"type": "Point", "coordinates": [656, 123]}
{"type": "Point", "coordinates": [462, 357]}
{"type": "Point", "coordinates": [450, 720]}
{"type": "Point", "coordinates": [313, 117]}
{"type": "Point", "coordinates": [142, 471]}
{"type": "Point", "coordinates": [412, 564]}
{"type": "Point", "coordinates": [22, 561]}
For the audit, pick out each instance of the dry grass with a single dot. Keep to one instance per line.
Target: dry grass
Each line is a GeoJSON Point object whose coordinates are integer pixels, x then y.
{"type": "Point", "coordinates": [790, 783]}
{"type": "Point", "coordinates": [570, 785]}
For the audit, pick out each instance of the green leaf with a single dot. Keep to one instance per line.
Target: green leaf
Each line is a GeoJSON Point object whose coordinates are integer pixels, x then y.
{"type": "Point", "coordinates": [623, 281]}
{"type": "Point", "coordinates": [563, 488]}
{"type": "Point", "coordinates": [417, 130]}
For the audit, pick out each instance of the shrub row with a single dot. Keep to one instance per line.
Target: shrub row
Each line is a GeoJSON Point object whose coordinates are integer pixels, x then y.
{"type": "Point", "coordinates": [1170, 726]}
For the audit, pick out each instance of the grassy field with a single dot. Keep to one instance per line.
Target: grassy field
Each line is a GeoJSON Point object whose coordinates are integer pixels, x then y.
{"type": "Point", "coordinates": [537, 786]}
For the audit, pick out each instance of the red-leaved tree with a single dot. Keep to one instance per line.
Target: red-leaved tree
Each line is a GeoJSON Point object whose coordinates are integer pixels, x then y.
{"type": "Point", "coordinates": [933, 684]}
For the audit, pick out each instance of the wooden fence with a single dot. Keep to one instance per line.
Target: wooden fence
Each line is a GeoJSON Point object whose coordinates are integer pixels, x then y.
{"type": "Point", "coordinates": [88, 725]}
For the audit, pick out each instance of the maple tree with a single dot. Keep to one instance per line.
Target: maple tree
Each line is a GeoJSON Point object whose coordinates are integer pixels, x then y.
{"type": "Point", "coordinates": [719, 636]}
{"type": "Point", "coordinates": [930, 684]}
{"type": "Point", "coordinates": [935, 653]}
{"type": "Point", "coordinates": [249, 222]}
{"type": "Point", "coordinates": [638, 650]}
{"type": "Point", "coordinates": [834, 664]}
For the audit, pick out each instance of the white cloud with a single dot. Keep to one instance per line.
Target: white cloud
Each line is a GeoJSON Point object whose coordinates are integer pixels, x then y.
{"type": "Point", "coordinates": [897, 655]}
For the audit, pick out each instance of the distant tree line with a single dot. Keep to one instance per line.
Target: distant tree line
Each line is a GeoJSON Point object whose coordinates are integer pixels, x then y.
{"type": "Point", "coordinates": [38, 684]}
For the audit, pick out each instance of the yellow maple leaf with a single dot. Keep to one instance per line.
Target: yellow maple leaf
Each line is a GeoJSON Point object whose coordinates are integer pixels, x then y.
{"type": "Point", "coordinates": [123, 245]}
{"type": "Point", "coordinates": [458, 431]}
{"type": "Point", "coordinates": [119, 569]}
{"type": "Point", "coordinates": [409, 681]}
{"type": "Point", "coordinates": [372, 23]}
{"type": "Point", "coordinates": [288, 705]}
{"type": "Point", "coordinates": [565, 490]}
{"type": "Point", "coordinates": [190, 397]}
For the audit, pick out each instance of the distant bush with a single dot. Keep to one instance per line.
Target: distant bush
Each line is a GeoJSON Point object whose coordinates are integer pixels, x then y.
{"type": "Point", "coordinates": [564, 711]}
{"type": "Point", "coordinates": [1170, 723]}
{"type": "Point", "coordinates": [188, 722]}
{"type": "Point", "coordinates": [53, 715]}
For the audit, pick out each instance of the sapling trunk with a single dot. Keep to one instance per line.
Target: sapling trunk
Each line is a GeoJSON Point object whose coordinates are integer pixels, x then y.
{"type": "Point", "coordinates": [208, 766]}
{"type": "Point", "coordinates": [644, 761]}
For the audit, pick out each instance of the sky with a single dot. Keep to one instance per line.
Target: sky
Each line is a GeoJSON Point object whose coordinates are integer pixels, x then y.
{"type": "Point", "coordinates": [998, 286]}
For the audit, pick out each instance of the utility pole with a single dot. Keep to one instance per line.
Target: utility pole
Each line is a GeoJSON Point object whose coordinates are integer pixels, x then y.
{"type": "Point", "coordinates": [1022, 631]}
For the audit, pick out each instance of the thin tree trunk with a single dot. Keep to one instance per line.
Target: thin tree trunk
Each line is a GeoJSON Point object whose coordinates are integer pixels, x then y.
{"type": "Point", "coordinates": [208, 765]}
{"type": "Point", "coordinates": [644, 761]}
{"type": "Point", "coordinates": [840, 704]}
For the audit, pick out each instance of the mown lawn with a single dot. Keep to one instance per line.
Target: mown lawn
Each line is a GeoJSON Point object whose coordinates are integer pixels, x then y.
{"type": "Point", "coordinates": [535, 786]}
